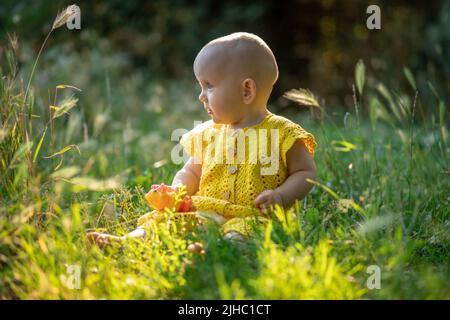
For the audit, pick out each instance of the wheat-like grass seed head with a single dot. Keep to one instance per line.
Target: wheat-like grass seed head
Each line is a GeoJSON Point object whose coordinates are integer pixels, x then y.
{"type": "Point", "coordinates": [64, 16]}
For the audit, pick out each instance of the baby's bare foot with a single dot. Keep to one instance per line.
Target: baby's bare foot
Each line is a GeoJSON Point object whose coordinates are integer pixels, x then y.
{"type": "Point", "coordinates": [196, 247]}
{"type": "Point", "coordinates": [103, 240]}
{"type": "Point", "coordinates": [234, 236]}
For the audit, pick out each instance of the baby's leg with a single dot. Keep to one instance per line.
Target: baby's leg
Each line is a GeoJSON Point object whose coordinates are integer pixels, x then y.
{"type": "Point", "coordinates": [138, 233]}
{"type": "Point", "coordinates": [241, 229]}
{"type": "Point", "coordinates": [103, 240]}
{"type": "Point", "coordinates": [234, 236]}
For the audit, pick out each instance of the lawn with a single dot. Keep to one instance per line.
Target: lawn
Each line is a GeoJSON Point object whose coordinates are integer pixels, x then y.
{"type": "Point", "coordinates": [74, 159]}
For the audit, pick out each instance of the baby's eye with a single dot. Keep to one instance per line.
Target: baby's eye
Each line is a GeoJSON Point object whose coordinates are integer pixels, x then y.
{"type": "Point", "coordinates": [208, 85]}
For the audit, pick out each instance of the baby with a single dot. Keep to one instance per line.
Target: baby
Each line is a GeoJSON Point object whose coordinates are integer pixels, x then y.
{"type": "Point", "coordinates": [236, 74]}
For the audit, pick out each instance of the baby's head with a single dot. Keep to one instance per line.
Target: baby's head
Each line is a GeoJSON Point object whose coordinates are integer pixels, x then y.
{"type": "Point", "coordinates": [236, 74]}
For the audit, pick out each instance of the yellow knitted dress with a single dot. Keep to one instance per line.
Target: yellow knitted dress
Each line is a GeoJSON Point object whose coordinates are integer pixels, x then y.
{"type": "Point", "coordinates": [239, 164]}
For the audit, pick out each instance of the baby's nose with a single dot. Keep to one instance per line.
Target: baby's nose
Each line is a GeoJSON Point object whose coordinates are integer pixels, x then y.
{"type": "Point", "coordinates": [202, 97]}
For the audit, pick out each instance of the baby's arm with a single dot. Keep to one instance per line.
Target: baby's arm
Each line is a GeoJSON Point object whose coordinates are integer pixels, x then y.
{"type": "Point", "coordinates": [300, 165]}
{"type": "Point", "coordinates": [189, 176]}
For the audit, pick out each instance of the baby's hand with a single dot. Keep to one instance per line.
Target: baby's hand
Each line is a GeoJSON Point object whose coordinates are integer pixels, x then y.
{"type": "Point", "coordinates": [268, 198]}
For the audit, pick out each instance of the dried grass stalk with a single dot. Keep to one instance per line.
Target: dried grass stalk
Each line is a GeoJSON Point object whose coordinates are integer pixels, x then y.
{"type": "Point", "coordinates": [64, 16]}
{"type": "Point", "coordinates": [303, 97]}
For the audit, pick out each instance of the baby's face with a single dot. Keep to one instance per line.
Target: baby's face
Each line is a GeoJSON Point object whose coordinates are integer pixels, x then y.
{"type": "Point", "coordinates": [221, 92]}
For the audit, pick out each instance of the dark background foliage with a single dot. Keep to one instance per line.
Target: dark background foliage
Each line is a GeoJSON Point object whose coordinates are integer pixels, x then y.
{"type": "Point", "coordinates": [317, 43]}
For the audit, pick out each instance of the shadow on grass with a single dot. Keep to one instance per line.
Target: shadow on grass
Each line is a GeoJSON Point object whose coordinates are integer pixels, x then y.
{"type": "Point", "coordinates": [225, 263]}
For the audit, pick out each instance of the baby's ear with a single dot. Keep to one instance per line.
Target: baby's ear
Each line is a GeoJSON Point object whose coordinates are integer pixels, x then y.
{"type": "Point", "coordinates": [248, 90]}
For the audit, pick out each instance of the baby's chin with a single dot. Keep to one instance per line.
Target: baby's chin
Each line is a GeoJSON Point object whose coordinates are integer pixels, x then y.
{"type": "Point", "coordinates": [217, 121]}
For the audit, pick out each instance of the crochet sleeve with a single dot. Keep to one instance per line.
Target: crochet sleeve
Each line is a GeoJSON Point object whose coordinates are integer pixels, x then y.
{"type": "Point", "coordinates": [292, 133]}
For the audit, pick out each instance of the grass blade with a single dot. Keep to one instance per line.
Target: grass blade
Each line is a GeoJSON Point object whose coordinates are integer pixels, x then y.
{"type": "Point", "coordinates": [360, 75]}
{"type": "Point", "coordinates": [39, 145]}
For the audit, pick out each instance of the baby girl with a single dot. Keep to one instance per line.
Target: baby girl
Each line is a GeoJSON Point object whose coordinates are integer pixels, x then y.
{"type": "Point", "coordinates": [236, 74]}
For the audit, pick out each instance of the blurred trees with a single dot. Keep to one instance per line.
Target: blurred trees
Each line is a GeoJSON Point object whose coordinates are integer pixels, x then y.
{"type": "Point", "coordinates": [317, 43]}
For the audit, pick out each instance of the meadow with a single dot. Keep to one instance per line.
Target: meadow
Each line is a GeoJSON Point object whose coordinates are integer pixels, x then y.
{"type": "Point", "coordinates": [80, 146]}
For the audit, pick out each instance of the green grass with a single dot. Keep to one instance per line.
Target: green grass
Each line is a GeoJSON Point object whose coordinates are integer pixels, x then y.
{"type": "Point", "coordinates": [381, 197]}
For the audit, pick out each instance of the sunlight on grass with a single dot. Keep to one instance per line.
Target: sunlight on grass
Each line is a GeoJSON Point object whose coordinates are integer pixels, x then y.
{"type": "Point", "coordinates": [80, 161]}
